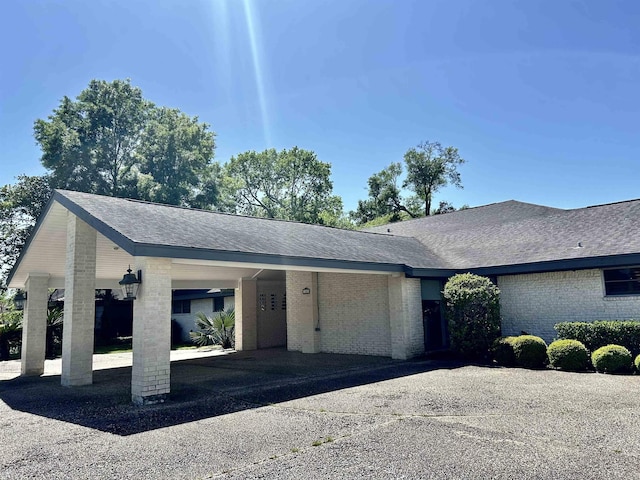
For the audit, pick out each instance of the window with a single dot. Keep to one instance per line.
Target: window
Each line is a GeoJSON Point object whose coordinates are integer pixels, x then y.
{"type": "Point", "coordinates": [622, 281]}
{"type": "Point", "coordinates": [218, 304]}
{"type": "Point", "coordinates": [181, 306]}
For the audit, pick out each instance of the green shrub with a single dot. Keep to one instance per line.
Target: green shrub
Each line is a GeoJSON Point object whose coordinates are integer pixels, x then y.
{"type": "Point", "coordinates": [600, 333]}
{"type": "Point", "coordinates": [611, 359]}
{"type": "Point", "coordinates": [473, 314]}
{"type": "Point", "coordinates": [529, 351]}
{"type": "Point", "coordinates": [570, 355]}
{"type": "Point", "coordinates": [637, 363]}
{"type": "Point", "coordinates": [502, 351]}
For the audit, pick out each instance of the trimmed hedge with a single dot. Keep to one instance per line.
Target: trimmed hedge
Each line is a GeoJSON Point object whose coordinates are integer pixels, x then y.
{"type": "Point", "coordinates": [526, 351]}
{"type": "Point", "coordinates": [612, 359]}
{"type": "Point", "coordinates": [530, 351]}
{"type": "Point", "coordinates": [569, 355]}
{"type": "Point", "coordinates": [600, 333]}
{"type": "Point", "coordinates": [502, 352]}
{"type": "Point", "coordinates": [473, 314]}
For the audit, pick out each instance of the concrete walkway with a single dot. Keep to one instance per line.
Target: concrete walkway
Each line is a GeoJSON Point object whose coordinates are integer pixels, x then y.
{"type": "Point", "coordinates": [276, 414]}
{"type": "Point", "coordinates": [102, 361]}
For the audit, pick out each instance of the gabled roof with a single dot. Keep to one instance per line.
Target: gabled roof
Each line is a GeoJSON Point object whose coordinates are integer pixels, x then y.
{"type": "Point", "coordinates": [163, 230]}
{"type": "Point", "coordinates": [526, 237]}
{"type": "Point", "coordinates": [149, 229]}
{"type": "Point", "coordinates": [501, 238]}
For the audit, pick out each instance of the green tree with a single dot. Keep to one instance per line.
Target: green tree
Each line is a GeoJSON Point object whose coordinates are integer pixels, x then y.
{"type": "Point", "coordinates": [112, 141]}
{"type": "Point", "coordinates": [20, 206]}
{"type": "Point", "coordinates": [89, 144]}
{"type": "Point", "coordinates": [385, 199]}
{"type": "Point", "coordinates": [175, 156]}
{"type": "Point", "coordinates": [289, 184]}
{"type": "Point", "coordinates": [430, 166]}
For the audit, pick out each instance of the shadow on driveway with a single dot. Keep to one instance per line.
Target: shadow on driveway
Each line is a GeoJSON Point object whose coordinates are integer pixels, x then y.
{"type": "Point", "coordinates": [204, 387]}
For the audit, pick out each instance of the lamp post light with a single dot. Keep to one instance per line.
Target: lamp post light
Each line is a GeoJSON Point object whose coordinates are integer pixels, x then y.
{"type": "Point", "coordinates": [20, 299]}
{"type": "Point", "coordinates": [130, 284]}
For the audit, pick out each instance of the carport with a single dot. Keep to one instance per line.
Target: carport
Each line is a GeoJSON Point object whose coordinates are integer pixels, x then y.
{"type": "Point", "coordinates": [342, 291]}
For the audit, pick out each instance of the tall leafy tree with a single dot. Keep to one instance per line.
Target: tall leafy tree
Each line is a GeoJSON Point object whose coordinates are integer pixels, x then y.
{"type": "Point", "coordinates": [174, 157]}
{"type": "Point", "coordinates": [89, 144]}
{"type": "Point", "coordinates": [430, 166]}
{"type": "Point", "coordinates": [385, 198]}
{"type": "Point", "coordinates": [289, 184]}
{"type": "Point", "coordinates": [110, 140]}
{"type": "Point", "coordinates": [20, 206]}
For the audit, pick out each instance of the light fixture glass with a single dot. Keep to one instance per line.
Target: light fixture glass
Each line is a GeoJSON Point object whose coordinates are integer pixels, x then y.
{"type": "Point", "coordinates": [20, 299]}
{"type": "Point", "coordinates": [130, 284]}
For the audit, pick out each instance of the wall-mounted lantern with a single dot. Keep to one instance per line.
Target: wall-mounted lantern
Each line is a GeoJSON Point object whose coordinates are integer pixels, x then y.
{"type": "Point", "coordinates": [306, 291]}
{"type": "Point", "coordinates": [20, 299]}
{"type": "Point", "coordinates": [130, 284]}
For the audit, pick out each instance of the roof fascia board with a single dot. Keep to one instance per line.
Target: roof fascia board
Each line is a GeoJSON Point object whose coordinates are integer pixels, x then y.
{"type": "Point", "coordinates": [149, 250]}
{"type": "Point", "coordinates": [116, 237]}
{"type": "Point", "coordinates": [607, 261]}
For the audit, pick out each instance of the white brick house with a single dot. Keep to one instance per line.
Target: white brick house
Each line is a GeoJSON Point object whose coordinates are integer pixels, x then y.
{"type": "Point", "coordinates": [317, 289]}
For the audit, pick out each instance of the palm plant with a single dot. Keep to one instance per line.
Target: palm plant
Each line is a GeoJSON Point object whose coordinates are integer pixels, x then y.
{"type": "Point", "coordinates": [55, 317]}
{"type": "Point", "coordinates": [10, 332]}
{"type": "Point", "coordinates": [216, 330]}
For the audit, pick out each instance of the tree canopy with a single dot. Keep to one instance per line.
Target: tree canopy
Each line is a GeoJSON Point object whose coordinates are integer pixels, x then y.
{"type": "Point", "coordinates": [288, 184]}
{"type": "Point", "coordinates": [385, 199]}
{"type": "Point", "coordinates": [430, 166]}
{"type": "Point", "coordinates": [20, 206]}
{"type": "Point", "coordinates": [111, 141]}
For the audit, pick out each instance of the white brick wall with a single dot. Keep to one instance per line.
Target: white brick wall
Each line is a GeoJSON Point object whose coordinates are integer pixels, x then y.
{"type": "Point", "coordinates": [34, 325]}
{"type": "Point", "coordinates": [536, 302]}
{"type": "Point", "coordinates": [302, 312]}
{"type": "Point", "coordinates": [354, 314]}
{"type": "Point", "coordinates": [150, 374]}
{"type": "Point", "coordinates": [79, 303]}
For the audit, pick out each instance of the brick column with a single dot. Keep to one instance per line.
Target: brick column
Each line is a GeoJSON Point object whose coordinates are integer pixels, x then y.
{"type": "Point", "coordinates": [405, 315]}
{"type": "Point", "coordinates": [34, 325]}
{"type": "Point", "coordinates": [79, 303]}
{"type": "Point", "coordinates": [246, 298]}
{"type": "Point", "coordinates": [302, 312]}
{"type": "Point", "coordinates": [150, 380]}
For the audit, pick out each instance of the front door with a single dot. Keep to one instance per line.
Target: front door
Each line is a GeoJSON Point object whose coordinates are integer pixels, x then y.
{"type": "Point", "coordinates": [433, 325]}
{"type": "Point", "coordinates": [272, 314]}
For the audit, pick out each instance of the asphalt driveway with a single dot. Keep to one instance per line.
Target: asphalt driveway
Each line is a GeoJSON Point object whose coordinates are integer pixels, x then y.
{"type": "Point", "coordinates": [277, 414]}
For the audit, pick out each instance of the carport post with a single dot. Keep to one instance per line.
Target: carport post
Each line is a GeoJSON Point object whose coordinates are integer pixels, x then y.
{"type": "Point", "coordinates": [150, 375]}
{"type": "Point", "coordinates": [34, 325]}
{"type": "Point", "coordinates": [79, 303]}
{"type": "Point", "coordinates": [246, 309]}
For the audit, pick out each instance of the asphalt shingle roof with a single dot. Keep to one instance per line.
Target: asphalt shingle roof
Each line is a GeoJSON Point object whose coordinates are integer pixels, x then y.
{"type": "Point", "coordinates": [498, 235]}
{"type": "Point", "coordinates": [153, 224]}
{"type": "Point", "coordinates": [513, 233]}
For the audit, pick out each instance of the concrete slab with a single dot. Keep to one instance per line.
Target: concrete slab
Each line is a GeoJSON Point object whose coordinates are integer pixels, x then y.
{"type": "Point", "coordinates": [276, 414]}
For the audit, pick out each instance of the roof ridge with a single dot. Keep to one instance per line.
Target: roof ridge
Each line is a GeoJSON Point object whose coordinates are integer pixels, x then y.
{"type": "Point", "coordinates": [607, 204]}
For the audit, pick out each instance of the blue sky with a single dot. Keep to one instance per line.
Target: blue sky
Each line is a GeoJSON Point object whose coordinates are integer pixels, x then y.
{"type": "Point", "coordinates": [540, 97]}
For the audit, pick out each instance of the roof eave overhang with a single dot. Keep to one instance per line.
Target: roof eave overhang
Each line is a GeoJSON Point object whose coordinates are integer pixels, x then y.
{"type": "Point", "coordinates": [605, 261]}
